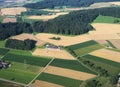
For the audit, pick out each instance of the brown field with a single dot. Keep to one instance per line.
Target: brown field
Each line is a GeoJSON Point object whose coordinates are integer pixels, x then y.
{"type": "Point", "coordinates": [116, 43]}
{"type": "Point", "coordinates": [101, 4]}
{"type": "Point", "coordinates": [39, 83]}
{"type": "Point", "coordinates": [101, 41]}
{"type": "Point", "coordinates": [47, 17]}
{"type": "Point", "coordinates": [65, 40]}
{"type": "Point", "coordinates": [115, 3]}
{"type": "Point", "coordinates": [68, 73]}
{"type": "Point", "coordinates": [13, 11]}
{"type": "Point", "coordinates": [25, 36]}
{"type": "Point", "coordinates": [107, 54]}
{"type": "Point", "coordinates": [53, 53]}
{"type": "Point", "coordinates": [52, 10]}
{"type": "Point", "coordinates": [104, 28]}
{"type": "Point", "coordinates": [6, 20]}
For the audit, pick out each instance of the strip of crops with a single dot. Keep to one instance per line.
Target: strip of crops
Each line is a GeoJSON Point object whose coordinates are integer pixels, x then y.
{"type": "Point", "coordinates": [67, 82]}
{"type": "Point", "coordinates": [70, 64]}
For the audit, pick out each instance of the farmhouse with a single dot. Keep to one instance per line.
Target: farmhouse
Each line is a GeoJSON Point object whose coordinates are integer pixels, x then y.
{"type": "Point", "coordinates": [4, 65]}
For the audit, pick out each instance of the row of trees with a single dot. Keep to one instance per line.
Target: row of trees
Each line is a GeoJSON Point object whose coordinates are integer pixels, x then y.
{"type": "Point", "coordinates": [10, 29]}
{"type": "Point", "coordinates": [22, 45]}
{"type": "Point", "coordinates": [72, 3]}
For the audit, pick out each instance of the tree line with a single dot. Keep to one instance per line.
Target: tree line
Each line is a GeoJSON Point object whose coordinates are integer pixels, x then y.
{"type": "Point", "coordinates": [74, 23]}
{"type": "Point", "coordinates": [70, 3]}
{"type": "Point", "coordinates": [22, 45]}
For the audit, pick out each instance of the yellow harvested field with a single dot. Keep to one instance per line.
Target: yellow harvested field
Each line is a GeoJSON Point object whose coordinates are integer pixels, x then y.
{"type": "Point", "coordinates": [104, 28]}
{"type": "Point", "coordinates": [56, 53]}
{"type": "Point", "coordinates": [116, 43]}
{"type": "Point", "coordinates": [101, 41]}
{"type": "Point", "coordinates": [68, 73]}
{"type": "Point", "coordinates": [115, 3]}
{"type": "Point", "coordinates": [47, 17]}
{"type": "Point", "coordinates": [107, 54]}
{"type": "Point", "coordinates": [104, 36]}
{"type": "Point", "coordinates": [39, 83]}
{"type": "Point", "coordinates": [25, 36]}
{"type": "Point", "coordinates": [52, 10]}
{"type": "Point", "coordinates": [64, 41]}
{"type": "Point", "coordinates": [6, 20]}
{"type": "Point", "coordinates": [13, 11]}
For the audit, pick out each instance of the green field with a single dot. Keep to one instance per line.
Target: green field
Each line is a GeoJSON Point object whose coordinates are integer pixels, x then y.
{"type": "Point", "coordinates": [38, 61]}
{"type": "Point", "coordinates": [84, 48]}
{"type": "Point", "coordinates": [6, 84]}
{"type": "Point", "coordinates": [2, 43]}
{"type": "Point", "coordinates": [1, 19]}
{"type": "Point", "coordinates": [105, 19]}
{"type": "Point", "coordinates": [71, 64]}
{"type": "Point", "coordinates": [111, 66]}
{"type": "Point", "coordinates": [3, 51]}
{"type": "Point", "coordinates": [67, 82]}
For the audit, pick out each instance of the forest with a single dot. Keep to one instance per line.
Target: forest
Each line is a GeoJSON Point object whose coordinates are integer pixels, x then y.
{"type": "Point", "coordinates": [22, 45]}
{"type": "Point", "coordinates": [69, 3]}
{"type": "Point", "coordinates": [74, 23]}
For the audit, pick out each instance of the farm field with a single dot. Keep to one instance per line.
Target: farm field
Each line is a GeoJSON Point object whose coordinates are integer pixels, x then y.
{"type": "Point", "coordinates": [60, 80]}
{"type": "Point", "coordinates": [7, 84]}
{"type": "Point", "coordinates": [111, 66]}
{"type": "Point", "coordinates": [116, 42]}
{"type": "Point", "coordinates": [47, 17]}
{"type": "Point", "coordinates": [6, 20]}
{"type": "Point", "coordinates": [84, 48]}
{"type": "Point", "coordinates": [3, 51]}
{"type": "Point", "coordinates": [105, 19]}
{"type": "Point", "coordinates": [24, 66]}
{"type": "Point", "coordinates": [115, 3]}
{"type": "Point", "coordinates": [103, 28]}
{"type": "Point", "coordinates": [65, 40]}
{"type": "Point", "coordinates": [68, 73]}
{"type": "Point", "coordinates": [62, 54]}
{"type": "Point", "coordinates": [13, 11]}
{"type": "Point", "coordinates": [107, 54]}
{"type": "Point", "coordinates": [25, 36]}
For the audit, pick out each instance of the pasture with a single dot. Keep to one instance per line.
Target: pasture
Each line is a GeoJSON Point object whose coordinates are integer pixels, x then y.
{"type": "Point", "coordinates": [3, 51]}
{"type": "Point", "coordinates": [54, 53]}
{"type": "Point", "coordinates": [64, 41]}
{"type": "Point", "coordinates": [105, 19]}
{"type": "Point", "coordinates": [107, 54]}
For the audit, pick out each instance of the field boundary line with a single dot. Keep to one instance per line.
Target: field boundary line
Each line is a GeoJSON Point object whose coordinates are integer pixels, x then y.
{"type": "Point", "coordinates": [41, 72]}
{"type": "Point", "coordinates": [9, 81]}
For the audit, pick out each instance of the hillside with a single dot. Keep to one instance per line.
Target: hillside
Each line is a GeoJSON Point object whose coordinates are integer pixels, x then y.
{"type": "Point", "coordinates": [69, 3]}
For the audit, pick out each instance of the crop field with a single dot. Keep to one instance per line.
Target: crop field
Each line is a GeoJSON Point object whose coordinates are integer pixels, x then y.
{"type": "Point", "coordinates": [84, 48]}
{"type": "Point", "coordinates": [111, 66]}
{"type": "Point", "coordinates": [70, 64]}
{"type": "Point", "coordinates": [3, 51]}
{"type": "Point", "coordinates": [13, 11]}
{"type": "Point", "coordinates": [60, 80]}
{"type": "Point", "coordinates": [39, 83]}
{"type": "Point", "coordinates": [107, 54]}
{"type": "Point", "coordinates": [7, 84]}
{"type": "Point", "coordinates": [105, 19]}
{"type": "Point", "coordinates": [115, 3]}
{"type": "Point", "coordinates": [25, 36]}
{"type": "Point", "coordinates": [64, 41]}
{"type": "Point", "coordinates": [78, 75]}
{"type": "Point", "coordinates": [103, 28]}
{"type": "Point", "coordinates": [2, 43]}
{"type": "Point", "coordinates": [47, 17]}
{"type": "Point", "coordinates": [24, 66]}
{"type": "Point", "coordinates": [116, 43]}
{"type": "Point", "coordinates": [6, 20]}
{"type": "Point", "coordinates": [62, 54]}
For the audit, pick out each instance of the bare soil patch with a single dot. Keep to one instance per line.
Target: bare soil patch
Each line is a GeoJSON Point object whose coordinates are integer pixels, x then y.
{"type": "Point", "coordinates": [68, 73]}
{"type": "Point", "coordinates": [6, 20]}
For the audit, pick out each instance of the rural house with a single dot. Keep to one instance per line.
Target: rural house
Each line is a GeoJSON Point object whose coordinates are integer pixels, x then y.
{"type": "Point", "coordinates": [4, 65]}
